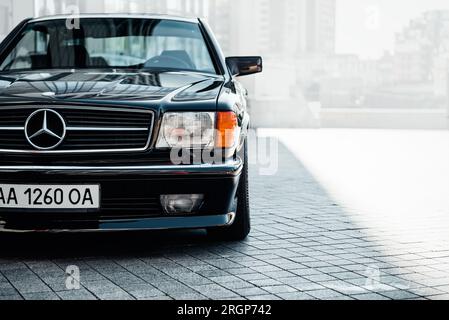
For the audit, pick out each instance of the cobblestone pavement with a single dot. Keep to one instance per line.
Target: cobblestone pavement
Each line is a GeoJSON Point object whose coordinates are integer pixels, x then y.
{"type": "Point", "coordinates": [303, 246]}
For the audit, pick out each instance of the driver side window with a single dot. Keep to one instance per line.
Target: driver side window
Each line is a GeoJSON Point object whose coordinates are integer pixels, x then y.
{"type": "Point", "coordinates": [29, 53]}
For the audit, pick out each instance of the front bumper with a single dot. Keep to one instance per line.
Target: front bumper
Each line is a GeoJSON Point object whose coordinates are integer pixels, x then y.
{"type": "Point", "coordinates": [193, 222]}
{"type": "Point", "coordinates": [129, 197]}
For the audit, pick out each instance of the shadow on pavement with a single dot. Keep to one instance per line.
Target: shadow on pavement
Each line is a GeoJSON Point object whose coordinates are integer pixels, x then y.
{"type": "Point", "coordinates": [78, 245]}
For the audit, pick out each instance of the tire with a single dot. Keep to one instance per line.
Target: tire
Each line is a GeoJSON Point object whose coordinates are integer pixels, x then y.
{"type": "Point", "coordinates": [241, 226]}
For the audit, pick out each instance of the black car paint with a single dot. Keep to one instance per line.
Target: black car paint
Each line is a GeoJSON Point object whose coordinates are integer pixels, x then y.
{"type": "Point", "coordinates": [158, 91]}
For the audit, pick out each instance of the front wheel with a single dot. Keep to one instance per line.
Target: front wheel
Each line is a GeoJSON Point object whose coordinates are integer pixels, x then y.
{"type": "Point", "coordinates": [241, 227]}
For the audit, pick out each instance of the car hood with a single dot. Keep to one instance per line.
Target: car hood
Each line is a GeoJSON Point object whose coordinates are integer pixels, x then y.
{"type": "Point", "coordinates": [91, 86]}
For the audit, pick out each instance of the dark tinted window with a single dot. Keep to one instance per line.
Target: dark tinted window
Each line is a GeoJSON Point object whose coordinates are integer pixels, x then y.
{"type": "Point", "coordinates": [111, 43]}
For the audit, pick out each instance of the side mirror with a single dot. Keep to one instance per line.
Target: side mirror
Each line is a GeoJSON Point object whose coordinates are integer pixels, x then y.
{"type": "Point", "coordinates": [243, 66]}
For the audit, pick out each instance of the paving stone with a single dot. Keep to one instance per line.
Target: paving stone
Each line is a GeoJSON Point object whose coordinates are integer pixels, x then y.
{"type": "Point", "coordinates": [7, 289]}
{"type": "Point", "coordinates": [443, 297]}
{"type": "Point", "coordinates": [101, 286]}
{"type": "Point", "coordinates": [114, 295]}
{"type": "Point", "coordinates": [265, 282]}
{"type": "Point", "coordinates": [370, 296]}
{"type": "Point", "coordinates": [189, 296]}
{"type": "Point", "coordinates": [295, 296]}
{"type": "Point", "coordinates": [81, 294]}
{"type": "Point", "coordinates": [237, 286]}
{"type": "Point", "coordinates": [30, 286]}
{"type": "Point", "coordinates": [279, 289]}
{"type": "Point", "coordinates": [11, 297]}
{"type": "Point", "coordinates": [214, 291]}
{"type": "Point", "coordinates": [41, 296]}
{"type": "Point", "coordinates": [264, 297]}
{"type": "Point", "coordinates": [158, 298]}
{"type": "Point", "coordinates": [399, 295]}
{"type": "Point", "coordinates": [324, 294]}
{"type": "Point", "coordinates": [252, 291]}
{"type": "Point", "coordinates": [141, 291]}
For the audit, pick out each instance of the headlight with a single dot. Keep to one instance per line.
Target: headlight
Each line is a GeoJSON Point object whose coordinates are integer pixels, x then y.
{"type": "Point", "coordinates": [187, 130]}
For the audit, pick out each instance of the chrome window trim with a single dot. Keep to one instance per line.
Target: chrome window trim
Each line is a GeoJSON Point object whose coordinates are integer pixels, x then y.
{"type": "Point", "coordinates": [117, 16]}
{"type": "Point", "coordinates": [86, 151]}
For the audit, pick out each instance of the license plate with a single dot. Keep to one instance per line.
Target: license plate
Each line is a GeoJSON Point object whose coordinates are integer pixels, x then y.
{"type": "Point", "coordinates": [17, 196]}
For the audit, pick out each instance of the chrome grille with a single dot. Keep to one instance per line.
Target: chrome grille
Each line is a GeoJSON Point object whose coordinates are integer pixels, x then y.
{"type": "Point", "coordinates": [89, 129]}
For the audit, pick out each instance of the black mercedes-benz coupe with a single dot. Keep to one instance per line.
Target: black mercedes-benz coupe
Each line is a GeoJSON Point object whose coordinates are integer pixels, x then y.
{"type": "Point", "coordinates": [122, 122]}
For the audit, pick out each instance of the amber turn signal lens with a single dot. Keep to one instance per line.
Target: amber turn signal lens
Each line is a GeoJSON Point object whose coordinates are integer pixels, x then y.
{"type": "Point", "coordinates": [227, 127]}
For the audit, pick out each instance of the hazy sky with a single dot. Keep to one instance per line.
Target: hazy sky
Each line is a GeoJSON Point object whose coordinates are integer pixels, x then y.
{"type": "Point", "coordinates": [367, 27]}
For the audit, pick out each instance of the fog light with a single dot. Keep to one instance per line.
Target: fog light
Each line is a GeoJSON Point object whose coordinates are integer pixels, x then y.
{"type": "Point", "coordinates": [181, 203]}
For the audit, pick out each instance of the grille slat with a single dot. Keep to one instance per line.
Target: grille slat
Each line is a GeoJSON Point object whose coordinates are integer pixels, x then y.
{"type": "Point", "coordinates": [84, 120]}
{"type": "Point", "coordinates": [100, 116]}
{"type": "Point", "coordinates": [103, 123]}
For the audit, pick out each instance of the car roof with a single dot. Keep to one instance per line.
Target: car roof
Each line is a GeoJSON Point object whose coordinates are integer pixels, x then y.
{"type": "Point", "coordinates": [115, 15]}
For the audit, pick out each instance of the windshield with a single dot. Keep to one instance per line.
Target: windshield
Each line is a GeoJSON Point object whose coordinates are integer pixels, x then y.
{"type": "Point", "coordinates": [147, 44]}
